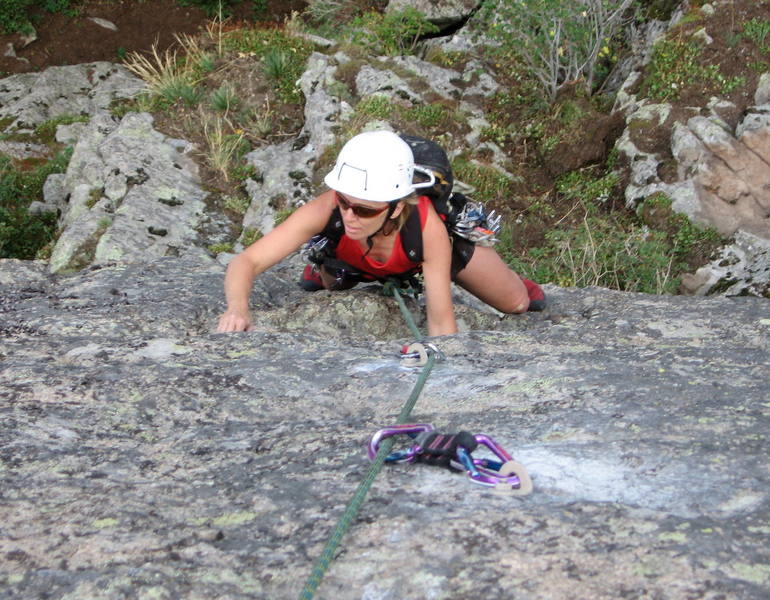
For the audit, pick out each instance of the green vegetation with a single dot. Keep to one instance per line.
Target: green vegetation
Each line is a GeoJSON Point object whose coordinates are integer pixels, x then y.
{"type": "Point", "coordinates": [46, 131]}
{"type": "Point", "coordinates": [223, 99]}
{"type": "Point", "coordinates": [23, 235]}
{"type": "Point", "coordinates": [249, 236]}
{"type": "Point", "coordinates": [224, 149]}
{"type": "Point", "coordinates": [558, 42]}
{"type": "Point", "coordinates": [675, 66]}
{"type": "Point", "coordinates": [490, 184]}
{"type": "Point", "coordinates": [376, 106]}
{"type": "Point", "coordinates": [237, 204]}
{"type": "Point", "coordinates": [221, 247]}
{"type": "Point", "coordinates": [277, 63]}
{"type": "Point", "coordinates": [222, 8]}
{"type": "Point", "coordinates": [758, 31]}
{"type": "Point", "coordinates": [393, 34]}
{"type": "Point", "coordinates": [14, 13]}
{"type": "Point", "coordinates": [13, 16]}
{"type": "Point", "coordinates": [286, 55]}
{"type": "Point", "coordinates": [609, 248]}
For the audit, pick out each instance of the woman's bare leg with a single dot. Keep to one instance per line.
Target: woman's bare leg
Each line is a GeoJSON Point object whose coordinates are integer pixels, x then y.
{"type": "Point", "coordinates": [488, 278]}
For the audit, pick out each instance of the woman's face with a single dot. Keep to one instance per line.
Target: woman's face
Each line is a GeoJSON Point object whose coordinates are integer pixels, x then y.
{"type": "Point", "coordinates": [363, 218]}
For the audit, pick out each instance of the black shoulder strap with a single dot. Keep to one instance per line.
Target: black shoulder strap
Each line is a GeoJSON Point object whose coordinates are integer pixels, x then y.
{"type": "Point", "coordinates": [411, 236]}
{"type": "Point", "coordinates": [334, 228]}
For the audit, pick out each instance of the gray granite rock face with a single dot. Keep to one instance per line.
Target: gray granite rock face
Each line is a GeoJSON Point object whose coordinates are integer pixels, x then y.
{"type": "Point", "coordinates": [87, 89]}
{"type": "Point", "coordinates": [143, 456]}
{"type": "Point", "coordinates": [133, 195]}
{"type": "Point", "coordinates": [442, 14]}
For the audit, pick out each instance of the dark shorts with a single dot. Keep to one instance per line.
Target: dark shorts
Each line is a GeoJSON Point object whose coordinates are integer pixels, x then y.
{"type": "Point", "coordinates": [462, 252]}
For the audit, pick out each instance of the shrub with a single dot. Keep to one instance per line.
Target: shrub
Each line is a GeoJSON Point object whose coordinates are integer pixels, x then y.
{"type": "Point", "coordinates": [392, 34]}
{"type": "Point", "coordinates": [13, 15]}
{"type": "Point", "coordinates": [559, 42]}
{"type": "Point", "coordinates": [22, 235]}
{"type": "Point", "coordinates": [614, 250]}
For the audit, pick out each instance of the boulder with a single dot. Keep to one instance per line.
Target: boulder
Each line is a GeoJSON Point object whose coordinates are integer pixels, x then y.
{"type": "Point", "coordinates": [133, 194]}
{"type": "Point", "coordinates": [142, 452]}
{"type": "Point", "coordinates": [720, 178]}
{"type": "Point", "coordinates": [87, 89]}
{"type": "Point", "coordinates": [442, 14]}
{"type": "Point", "coordinates": [741, 268]}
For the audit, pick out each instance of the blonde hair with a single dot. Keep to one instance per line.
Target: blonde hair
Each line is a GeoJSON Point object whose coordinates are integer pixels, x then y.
{"type": "Point", "coordinates": [395, 224]}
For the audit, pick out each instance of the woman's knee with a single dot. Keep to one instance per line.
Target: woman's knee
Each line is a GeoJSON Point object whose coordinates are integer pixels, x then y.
{"type": "Point", "coordinates": [515, 305]}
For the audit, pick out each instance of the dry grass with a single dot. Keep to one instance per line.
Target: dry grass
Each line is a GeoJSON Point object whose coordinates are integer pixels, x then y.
{"type": "Point", "coordinates": [222, 143]}
{"type": "Point", "coordinates": [160, 71]}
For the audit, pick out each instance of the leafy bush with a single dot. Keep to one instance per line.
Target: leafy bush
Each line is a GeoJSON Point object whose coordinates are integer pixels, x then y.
{"type": "Point", "coordinates": [559, 42]}
{"type": "Point", "coordinates": [13, 15]}
{"type": "Point", "coordinates": [22, 235]}
{"type": "Point", "coordinates": [393, 34]}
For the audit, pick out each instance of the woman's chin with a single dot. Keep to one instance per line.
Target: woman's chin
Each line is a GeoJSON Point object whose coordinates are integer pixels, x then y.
{"type": "Point", "coordinates": [355, 234]}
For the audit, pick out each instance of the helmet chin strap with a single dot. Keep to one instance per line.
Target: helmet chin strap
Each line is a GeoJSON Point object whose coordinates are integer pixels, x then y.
{"type": "Point", "coordinates": [391, 208]}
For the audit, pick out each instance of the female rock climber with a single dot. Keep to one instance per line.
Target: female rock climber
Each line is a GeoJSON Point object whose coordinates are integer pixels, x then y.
{"type": "Point", "coordinates": [374, 199]}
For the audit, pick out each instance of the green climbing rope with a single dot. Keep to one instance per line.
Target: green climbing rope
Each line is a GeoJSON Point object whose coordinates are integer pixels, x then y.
{"type": "Point", "coordinates": [327, 555]}
{"type": "Point", "coordinates": [391, 289]}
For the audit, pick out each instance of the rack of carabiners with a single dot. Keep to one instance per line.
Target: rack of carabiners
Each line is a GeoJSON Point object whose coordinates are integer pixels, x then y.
{"type": "Point", "coordinates": [454, 451]}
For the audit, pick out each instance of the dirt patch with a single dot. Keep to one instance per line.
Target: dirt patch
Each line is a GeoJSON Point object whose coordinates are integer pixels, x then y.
{"type": "Point", "coordinates": [69, 40]}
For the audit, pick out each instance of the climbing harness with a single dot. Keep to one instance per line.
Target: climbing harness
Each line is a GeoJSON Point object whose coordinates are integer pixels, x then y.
{"type": "Point", "coordinates": [454, 451]}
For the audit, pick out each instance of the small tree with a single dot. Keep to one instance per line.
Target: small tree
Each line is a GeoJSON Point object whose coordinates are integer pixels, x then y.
{"type": "Point", "coordinates": [560, 41]}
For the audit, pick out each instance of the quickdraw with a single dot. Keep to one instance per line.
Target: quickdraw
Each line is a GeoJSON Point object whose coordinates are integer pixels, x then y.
{"type": "Point", "coordinates": [454, 450]}
{"type": "Point", "coordinates": [416, 353]}
{"type": "Point", "coordinates": [474, 224]}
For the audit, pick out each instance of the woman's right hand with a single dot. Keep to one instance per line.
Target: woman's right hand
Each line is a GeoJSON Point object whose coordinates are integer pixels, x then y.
{"type": "Point", "coordinates": [234, 320]}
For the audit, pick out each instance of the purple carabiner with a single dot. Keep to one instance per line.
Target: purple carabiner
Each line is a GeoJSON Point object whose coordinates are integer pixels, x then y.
{"type": "Point", "coordinates": [409, 429]}
{"type": "Point", "coordinates": [505, 474]}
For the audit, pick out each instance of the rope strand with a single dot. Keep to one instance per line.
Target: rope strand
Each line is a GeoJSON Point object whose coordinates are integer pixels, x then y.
{"type": "Point", "coordinates": [327, 555]}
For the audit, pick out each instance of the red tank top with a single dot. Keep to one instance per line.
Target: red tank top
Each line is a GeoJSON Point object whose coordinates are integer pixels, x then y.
{"type": "Point", "coordinates": [397, 263]}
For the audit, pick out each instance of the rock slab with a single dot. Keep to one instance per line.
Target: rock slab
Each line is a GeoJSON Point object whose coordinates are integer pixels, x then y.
{"type": "Point", "coordinates": [143, 456]}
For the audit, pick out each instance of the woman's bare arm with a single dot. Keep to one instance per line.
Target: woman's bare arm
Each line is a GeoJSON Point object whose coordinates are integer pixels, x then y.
{"type": "Point", "coordinates": [289, 236]}
{"type": "Point", "coordinates": [437, 261]}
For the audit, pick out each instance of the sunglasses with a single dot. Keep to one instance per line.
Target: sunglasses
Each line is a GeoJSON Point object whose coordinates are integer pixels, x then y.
{"type": "Point", "coordinates": [365, 212]}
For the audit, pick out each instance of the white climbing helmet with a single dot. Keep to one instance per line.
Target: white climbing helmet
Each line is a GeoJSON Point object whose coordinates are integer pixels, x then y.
{"type": "Point", "coordinates": [376, 166]}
